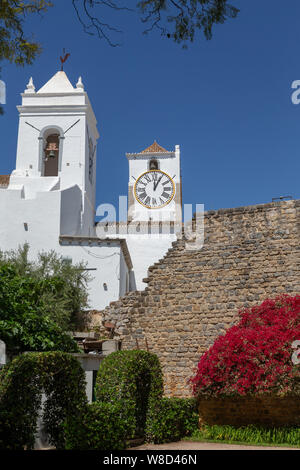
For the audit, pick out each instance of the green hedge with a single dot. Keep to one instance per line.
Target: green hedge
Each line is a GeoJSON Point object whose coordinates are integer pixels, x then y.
{"type": "Point", "coordinates": [134, 380]}
{"type": "Point", "coordinates": [171, 419]}
{"type": "Point", "coordinates": [129, 403]}
{"type": "Point", "coordinates": [22, 382]}
{"type": "Point", "coordinates": [101, 427]}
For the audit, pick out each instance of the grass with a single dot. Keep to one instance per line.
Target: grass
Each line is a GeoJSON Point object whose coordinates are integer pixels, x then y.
{"type": "Point", "coordinates": [248, 435]}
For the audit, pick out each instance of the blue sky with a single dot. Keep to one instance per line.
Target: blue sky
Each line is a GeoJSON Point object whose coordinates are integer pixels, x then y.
{"type": "Point", "coordinates": [226, 102]}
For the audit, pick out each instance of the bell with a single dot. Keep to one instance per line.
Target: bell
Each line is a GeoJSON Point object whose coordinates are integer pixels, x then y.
{"type": "Point", "coordinates": [51, 154]}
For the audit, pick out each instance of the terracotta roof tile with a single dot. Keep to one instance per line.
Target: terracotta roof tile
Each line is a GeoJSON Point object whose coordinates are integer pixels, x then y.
{"type": "Point", "coordinates": [4, 180]}
{"type": "Point", "coordinates": [155, 148]}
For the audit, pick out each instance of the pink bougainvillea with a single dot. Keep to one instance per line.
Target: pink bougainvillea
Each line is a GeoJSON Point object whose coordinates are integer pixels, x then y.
{"type": "Point", "coordinates": [254, 356]}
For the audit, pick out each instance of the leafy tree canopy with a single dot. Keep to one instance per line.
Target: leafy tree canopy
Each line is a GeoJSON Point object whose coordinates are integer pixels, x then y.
{"type": "Point", "coordinates": [39, 301]}
{"type": "Point", "coordinates": [181, 19]}
{"type": "Point", "coordinates": [59, 287]}
{"type": "Point", "coordinates": [15, 46]}
{"type": "Point", "coordinates": [178, 20]}
{"type": "Point", "coordinates": [23, 323]}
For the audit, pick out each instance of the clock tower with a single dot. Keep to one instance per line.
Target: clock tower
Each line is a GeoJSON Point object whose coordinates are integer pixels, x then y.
{"type": "Point", "coordinates": [154, 190]}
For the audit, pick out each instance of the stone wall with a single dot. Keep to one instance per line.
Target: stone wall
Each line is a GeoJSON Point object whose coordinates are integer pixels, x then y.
{"type": "Point", "coordinates": [242, 411]}
{"type": "Point", "coordinates": [249, 254]}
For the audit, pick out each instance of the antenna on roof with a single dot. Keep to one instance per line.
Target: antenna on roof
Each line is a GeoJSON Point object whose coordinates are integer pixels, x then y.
{"type": "Point", "coordinates": [64, 59]}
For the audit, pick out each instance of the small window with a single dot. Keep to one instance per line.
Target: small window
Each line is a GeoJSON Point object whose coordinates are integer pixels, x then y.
{"type": "Point", "coordinates": [153, 165]}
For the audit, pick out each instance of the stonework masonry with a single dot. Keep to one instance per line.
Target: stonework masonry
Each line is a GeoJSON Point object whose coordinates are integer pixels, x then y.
{"type": "Point", "coordinates": [249, 254]}
{"type": "Point", "coordinates": [240, 411]}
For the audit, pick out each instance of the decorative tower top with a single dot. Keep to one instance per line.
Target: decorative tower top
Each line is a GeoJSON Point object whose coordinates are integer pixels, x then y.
{"type": "Point", "coordinates": [155, 148]}
{"type": "Point", "coordinates": [59, 83]}
{"type": "Point", "coordinates": [79, 85]}
{"type": "Point", "coordinates": [30, 86]}
{"type": "Point", "coordinates": [64, 59]}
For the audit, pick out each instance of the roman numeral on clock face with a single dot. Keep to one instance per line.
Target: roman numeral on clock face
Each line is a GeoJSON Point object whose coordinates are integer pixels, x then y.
{"type": "Point", "coordinates": [142, 195]}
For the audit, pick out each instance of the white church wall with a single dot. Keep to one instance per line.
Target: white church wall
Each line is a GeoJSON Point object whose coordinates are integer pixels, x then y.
{"type": "Point", "coordinates": [140, 165]}
{"type": "Point", "coordinates": [70, 216]}
{"type": "Point", "coordinates": [28, 151]}
{"type": "Point", "coordinates": [169, 164]}
{"type": "Point", "coordinates": [42, 231]}
{"type": "Point", "coordinates": [167, 213]}
{"type": "Point", "coordinates": [33, 185]}
{"type": "Point", "coordinates": [105, 264]}
{"type": "Point", "coordinates": [145, 251]}
{"type": "Point", "coordinates": [124, 276]}
{"type": "Point", "coordinates": [35, 221]}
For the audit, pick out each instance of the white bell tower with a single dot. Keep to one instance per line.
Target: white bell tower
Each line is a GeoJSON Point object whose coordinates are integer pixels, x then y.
{"type": "Point", "coordinates": [154, 189]}
{"type": "Point", "coordinates": [56, 150]}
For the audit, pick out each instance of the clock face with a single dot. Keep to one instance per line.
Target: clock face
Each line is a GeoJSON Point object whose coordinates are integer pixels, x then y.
{"type": "Point", "coordinates": [154, 189]}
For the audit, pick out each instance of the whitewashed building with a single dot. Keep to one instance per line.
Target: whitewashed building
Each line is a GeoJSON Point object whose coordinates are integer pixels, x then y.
{"type": "Point", "coordinates": [154, 208]}
{"type": "Point", "coordinates": [49, 199]}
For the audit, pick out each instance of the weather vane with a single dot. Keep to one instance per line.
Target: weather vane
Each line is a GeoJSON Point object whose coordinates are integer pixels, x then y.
{"type": "Point", "coordinates": [64, 59]}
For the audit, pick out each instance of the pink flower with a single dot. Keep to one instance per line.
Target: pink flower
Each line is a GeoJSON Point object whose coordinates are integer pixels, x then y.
{"type": "Point", "coordinates": [253, 356]}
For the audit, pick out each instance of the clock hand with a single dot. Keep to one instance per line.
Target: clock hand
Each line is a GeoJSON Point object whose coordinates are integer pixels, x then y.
{"type": "Point", "coordinates": [155, 185]}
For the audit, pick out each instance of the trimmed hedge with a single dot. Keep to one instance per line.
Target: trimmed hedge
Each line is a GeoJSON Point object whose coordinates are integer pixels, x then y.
{"type": "Point", "coordinates": [129, 391]}
{"type": "Point", "coordinates": [22, 382]}
{"type": "Point", "coordinates": [171, 419]}
{"type": "Point", "coordinates": [101, 427]}
{"type": "Point", "coordinates": [134, 380]}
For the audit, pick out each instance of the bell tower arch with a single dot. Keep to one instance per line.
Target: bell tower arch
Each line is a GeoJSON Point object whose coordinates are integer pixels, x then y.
{"type": "Point", "coordinates": [51, 140]}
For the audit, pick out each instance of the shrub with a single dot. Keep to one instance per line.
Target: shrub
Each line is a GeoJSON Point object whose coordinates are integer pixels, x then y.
{"type": "Point", "coordinates": [133, 379]}
{"type": "Point", "coordinates": [22, 382]}
{"type": "Point", "coordinates": [59, 287]}
{"type": "Point", "coordinates": [171, 419]}
{"type": "Point", "coordinates": [254, 356]}
{"type": "Point", "coordinates": [24, 326]}
{"type": "Point", "coordinates": [100, 427]}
